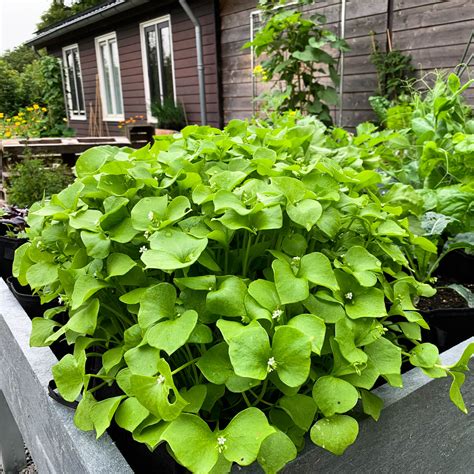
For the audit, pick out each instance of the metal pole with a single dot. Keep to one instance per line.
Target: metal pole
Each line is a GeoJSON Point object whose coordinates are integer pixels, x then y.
{"type": "Point", "coordinates": [200, 63]}
{"type": "Point", "coordinates": [341, 62]}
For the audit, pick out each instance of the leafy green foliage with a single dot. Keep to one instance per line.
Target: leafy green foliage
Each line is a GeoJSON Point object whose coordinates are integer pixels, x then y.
{"type": "Point", "coordinates": [294, 51]}
{"type": "Point", "coordinates": [239, 289]}
{"type": "Point", "coordinates": [168, 114]}
{"type": "Point", "coordinates": [31, 180]}
{"type": "Point", "coordinates": [59, 11]}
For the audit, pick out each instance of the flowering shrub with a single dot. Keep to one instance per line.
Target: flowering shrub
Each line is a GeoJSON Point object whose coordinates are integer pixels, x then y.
{"type": "Point", "coordinates": [239, 289]}
{"type": "Point", "coordinates": [27, 123]}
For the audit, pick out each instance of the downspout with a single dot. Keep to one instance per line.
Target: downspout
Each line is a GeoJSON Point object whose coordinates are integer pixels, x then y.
{"type": "Point", "coordinates": [200, 63]}
{"type": "Point", "coordinates": [341, 63]}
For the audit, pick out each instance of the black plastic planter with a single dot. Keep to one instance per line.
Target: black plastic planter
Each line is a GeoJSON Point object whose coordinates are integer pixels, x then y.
{"type": "Point", "coordinates": [8, 245]}
{"type": "Point", "coordinates": [457, 265]}
{"type": "Point", "coordinates": [449, 326]}
{"type": "Point", "coordinates": [29, 302]}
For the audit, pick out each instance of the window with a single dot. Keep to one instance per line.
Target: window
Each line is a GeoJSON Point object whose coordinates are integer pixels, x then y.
{"type": "Point", "coordinates": [157, 55]}
{"type": "Point", "coordinates": [109, 77]}
{"type": "Point", "coordinates": [73, 83]}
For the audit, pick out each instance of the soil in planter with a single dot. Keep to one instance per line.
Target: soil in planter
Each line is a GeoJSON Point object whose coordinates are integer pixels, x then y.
{"type": "Point", "coordinates": [448, 315]}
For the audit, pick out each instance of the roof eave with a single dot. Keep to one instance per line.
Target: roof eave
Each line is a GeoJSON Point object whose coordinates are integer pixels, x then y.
{"type": "Point", "coordinates": [80, 21]}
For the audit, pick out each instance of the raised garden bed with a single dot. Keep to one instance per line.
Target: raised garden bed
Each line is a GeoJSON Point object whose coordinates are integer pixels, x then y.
{"type": "Point", "coordinates": [419, 424]}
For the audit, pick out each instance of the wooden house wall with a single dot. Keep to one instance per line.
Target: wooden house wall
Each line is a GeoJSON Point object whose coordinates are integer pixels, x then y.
{"type": "Point", "coordinates": [434, 32]}
{"type": "Point", "coordinates": [129, 45]}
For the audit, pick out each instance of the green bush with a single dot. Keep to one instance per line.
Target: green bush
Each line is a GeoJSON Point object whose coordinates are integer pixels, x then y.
{"type": "Point", "coordinates": [238, 288]}
{"type": "Point", "coordinates": [31, 180]}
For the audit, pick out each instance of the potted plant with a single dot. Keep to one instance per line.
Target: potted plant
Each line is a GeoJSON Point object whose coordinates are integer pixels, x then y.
{"type": "Point", "coordinates": [169, 115]}
{"type": "Point", "coordinates": [12, 235]}
{"type": "Point", "coordinates": [235, 299]}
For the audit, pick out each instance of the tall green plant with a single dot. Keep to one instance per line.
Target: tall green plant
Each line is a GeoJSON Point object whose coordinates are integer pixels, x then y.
{"type": "Point", "coordinates": [293, 51]}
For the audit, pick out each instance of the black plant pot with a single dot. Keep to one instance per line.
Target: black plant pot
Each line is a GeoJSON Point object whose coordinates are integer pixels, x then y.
{"type": "Point", "coordinates": [457, 265]}
{"type": "Point", "coordinates": [449, 326]}
{"type": "Point", "coordinates": [8, 245]}
{"type": "Point", "coordinates": [29, 302]}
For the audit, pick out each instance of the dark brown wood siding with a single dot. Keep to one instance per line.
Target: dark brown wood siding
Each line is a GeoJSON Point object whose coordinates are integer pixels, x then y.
{"type": "Point", "coordinates": [434, 32]}
{"type": "Point", "coordinates": [127, 30]}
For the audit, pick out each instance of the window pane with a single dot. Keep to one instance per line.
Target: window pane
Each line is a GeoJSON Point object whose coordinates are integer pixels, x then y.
{"type": "Point", "coordinates": [72, 85]}
{"type": "Point", "coordinates": [107, 77]}
{"type": "Point", "coordinates": [166, 64]}
{"type": "Point", "coordinates": [152, 60]}
{"type": "Point", "coordinates": [78, 77]}
{"type": "Point", "coordinates": [116, 77]}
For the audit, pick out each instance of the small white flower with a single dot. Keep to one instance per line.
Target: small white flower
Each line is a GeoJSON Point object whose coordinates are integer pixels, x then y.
{"type": "Point", "coordinates": [271, 364]}
{"type": "Point", "coordinates": [349, 295]}
{"type": "Point", "coordinates": [143, 249]}
{"type": "Point", "coordinates": [151, 216]}
{"type": "Point", "coordinates": [146, 234]}
{"type": "Point", "coordinates": [277, 314]}
{"type": "Point", "coordinates": [295, 260]}
{"type": "Point", "coordinates": [60, 300]}
{"type": "Point", "coordinates": [210, 288]}
{"type": "Point", "coordinates": [221, 443]}
{"type": "Point", "coordinates": [160, 379]}
{"type": "Point", "coordinates": [95, 275]}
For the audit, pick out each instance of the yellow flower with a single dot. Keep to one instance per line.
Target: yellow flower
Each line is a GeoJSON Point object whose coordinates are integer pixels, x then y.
{"type": "Point", "coordinates": [8, 120]}
{"type": "Point", "coordinates": [8, 134]}
{"type": "Point", "coordinates": [1, 115]}
{"type": "Point", "coordinates": [257, 70]}
{"type": "Point", "coordinates": [23, 121]}
{"type": "Point", "coordinates": [36, 106]}
{"type": "Point", "coordinates": [17, 124]}
{"type": "Point", "coordinates": [30, 109]}
{"type": "Point", "coordinates": [20, 114]}
{"type": "Point", "coordinates": [292, 113]}
{"type": "Point", "coordinates": [44, 109]}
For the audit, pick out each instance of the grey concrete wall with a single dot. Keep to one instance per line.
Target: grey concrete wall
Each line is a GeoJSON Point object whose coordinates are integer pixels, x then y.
{"type": "Point", "coordinates": [56, 445]}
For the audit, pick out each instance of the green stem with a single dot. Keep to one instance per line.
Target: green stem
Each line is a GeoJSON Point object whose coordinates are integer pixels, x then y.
{"type": "Point", "coordinates": [246, 255]}
{"type": "Point", "coordinates": [187, 364]}
{"type": "Point", "coordinates": [246, 400]}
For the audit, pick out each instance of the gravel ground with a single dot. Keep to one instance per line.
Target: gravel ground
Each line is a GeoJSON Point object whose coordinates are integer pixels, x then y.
{"type": "Point", "coordinates": [30, 465]}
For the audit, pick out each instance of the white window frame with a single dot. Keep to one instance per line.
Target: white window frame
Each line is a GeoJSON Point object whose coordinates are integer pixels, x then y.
{"type": "Point", "coordinates": [146, 80]}
{"type": "Point", "coordinates": [108, 117]}
{"type": "Point", "coordinates": [66, 84]}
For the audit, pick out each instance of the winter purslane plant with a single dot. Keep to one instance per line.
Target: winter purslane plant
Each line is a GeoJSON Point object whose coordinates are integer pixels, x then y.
{"type": "Point", "coordinates": [236, 290]}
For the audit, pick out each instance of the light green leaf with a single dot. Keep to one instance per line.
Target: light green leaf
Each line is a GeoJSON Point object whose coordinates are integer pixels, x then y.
{"type": "Point", "coordinates": [244, 435]}
{"type": "Point", "coordinates": [157, 303]}
{"type": "Point", "coordinates": [84, 319]}
{"type": "Point", "coordinates": [371, 404]}
{"type": "Point", "coordinates": [41, 274]}
{"type": "Point", "coordinates": [291, 350]}
{"type": "Point", "coordinates": [311, 326]}
{"type": "Point", "coordinates": [300, 408]}
{"type": "Point", "coordinates": [69, 374]}
{"type": "Point", "coordinates": [275, 452]}
{"type": "Point", "coordinates": [193, 443]}
{"type": "Point", "coordinates": [228, 299]}
{"type": "Point", "coordinates": [249, 352]}
{"type": "Point", "coordinates": [385, 355]}
{"type": "Point", "coordinates": [103, 412]}
{"type": "Point", "coordinates": [172, 334]}
{"type": "Point", "coordinates": [97, 244]}
{"type": "Point", "coordinates": [84, 288]}
{"type": "Point", "coordinates": [41, 330]}
{"type": "Point", "coordinates": [335, 433]}
{"type": "Point", "coordinates": [290, 288]}
{"type": "Point", "coordinates": [305, 213]}
{"type": "Point", "coordinates": [173, 249]}
{"type": "Point", "coordinates": [317, 269]}
{"type": "Point", "coordinates": [333, 395]}
{"type": "Point", "coordinates": [143, 359]}
{"type": "Point", "coordinates": [130, 414]}
{"type": "Point", "coordinates": [424, 355]}
{"type": "Point", "coordinates": [119, 264]}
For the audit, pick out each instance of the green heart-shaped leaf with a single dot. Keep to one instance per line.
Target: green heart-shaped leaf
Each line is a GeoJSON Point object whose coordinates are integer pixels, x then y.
{"type": "Point", "coordinates": [335, 433]}
{"type": "Point", "coordinates": [333, 395]}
